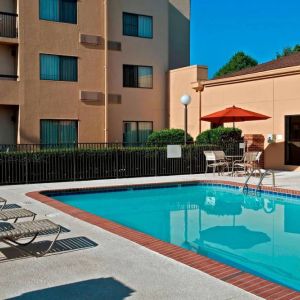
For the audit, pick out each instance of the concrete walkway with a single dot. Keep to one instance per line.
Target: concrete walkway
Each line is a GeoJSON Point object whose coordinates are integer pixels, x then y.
{"type": "Point", "coordinates": [107, 266]}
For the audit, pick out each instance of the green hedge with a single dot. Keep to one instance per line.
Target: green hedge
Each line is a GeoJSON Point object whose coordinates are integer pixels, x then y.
{"type": "Point", "coordinates": [220, 136]}
{"type": "Point", "coordinates": [167, 136]}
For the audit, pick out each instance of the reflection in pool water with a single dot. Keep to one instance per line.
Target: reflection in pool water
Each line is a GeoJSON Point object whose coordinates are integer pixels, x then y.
{"type": "Point", "coordinates": [257, 234]}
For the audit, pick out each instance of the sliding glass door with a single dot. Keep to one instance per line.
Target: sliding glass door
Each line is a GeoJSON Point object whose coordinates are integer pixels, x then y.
{"type": "Point", "coordinates": [59, 132]}
{"type": "Point", "coordinates": [292, 140]}
{"type": "Point", "coordinates": [136, 132]}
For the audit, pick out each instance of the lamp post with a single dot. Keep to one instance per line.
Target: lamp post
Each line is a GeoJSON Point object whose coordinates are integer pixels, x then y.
{"type": "Point", "coordinates": [185, 100]}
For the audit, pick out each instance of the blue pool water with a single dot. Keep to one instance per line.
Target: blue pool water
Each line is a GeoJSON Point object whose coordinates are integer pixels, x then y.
{"type": "Point", "coordinates": [260, 235]}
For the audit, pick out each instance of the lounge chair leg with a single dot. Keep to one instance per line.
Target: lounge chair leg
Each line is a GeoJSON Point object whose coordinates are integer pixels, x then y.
{"type": "Point", "coordinates": [15, 245]}
{"type": "Point", "coordinates": [27, 243]}
{"type": "Point", "coordinates": [51, 245]}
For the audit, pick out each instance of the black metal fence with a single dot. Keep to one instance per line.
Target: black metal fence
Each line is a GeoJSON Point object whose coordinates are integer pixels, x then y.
{"type": "Point", "coordinates": [8, 25]}
{"type": "Point", "coordinates": [50, 163]}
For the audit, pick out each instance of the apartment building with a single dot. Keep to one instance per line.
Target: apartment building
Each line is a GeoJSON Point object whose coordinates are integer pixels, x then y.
{"type": "Point", "coordinates": [88, 71]}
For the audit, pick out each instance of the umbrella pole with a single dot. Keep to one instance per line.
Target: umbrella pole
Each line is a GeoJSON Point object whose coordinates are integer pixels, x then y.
{"type": "Point", "coordinates": [233, 124]}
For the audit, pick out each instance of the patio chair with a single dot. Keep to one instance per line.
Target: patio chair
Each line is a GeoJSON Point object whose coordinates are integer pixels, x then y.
{"type": "Point", "coordinates": [255, 164]}
{"type": "Point", "coordinates": [215, 160]}
{"type": "Point", "coordinates": [247, 162]}
{"type": "Point", "coordinates": [14, 213]}
{"type": "Point", "coordinates": [10, 234]}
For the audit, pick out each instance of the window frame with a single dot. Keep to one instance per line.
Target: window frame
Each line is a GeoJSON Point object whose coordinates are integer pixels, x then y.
{"type": "Point", "coordinates": [138, 128]}
{"type": "Point", "coordinates": [137, 15]}
{"type": "Point", "coordinates": [60, 66]}
{"type": "Point", "coordinates": [59, 21]}
{"type": "Point", "coordinates": [138, 87]}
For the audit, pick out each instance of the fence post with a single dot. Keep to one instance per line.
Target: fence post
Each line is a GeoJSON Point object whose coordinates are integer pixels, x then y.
{"type": "Point", "coordinates": [117, 161]}
{"type": "Point", "coordinates": [191, 172]}
{"type": "Point", "coordinates": [155, 165]}
{"type": "Point", "coordinates": [74, 166]}
{"type": "Point", "coordinates": [26, 168]}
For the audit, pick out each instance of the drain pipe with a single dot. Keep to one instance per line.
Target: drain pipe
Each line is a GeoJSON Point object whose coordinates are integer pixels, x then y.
{"type": "Point", "coordinates": [105, 72]}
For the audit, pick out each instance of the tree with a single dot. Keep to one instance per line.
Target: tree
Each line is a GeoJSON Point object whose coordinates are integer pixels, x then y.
{"type": "Point", "coordinates": [288, 51]}
{"type": "Point", "coordinates": [238, 62]}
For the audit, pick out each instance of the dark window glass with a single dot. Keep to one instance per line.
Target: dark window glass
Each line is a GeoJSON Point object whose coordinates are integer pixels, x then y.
{"type": "Point", "coordinates": [68, 68]}
{"type": "Point", "coordinates": [292, 140]}
{"type": "Point", "coordinates": [135, 132]}
{"type": "Point", "coordinates": [130, 76]}
{"type": "Point", "coordinates": [137, 25]}
{"type": "Point", "coordinates": [137, 76]}
{"type": "Point", "coordinates": [130, 24]}
{"type": "Point", "coordinates": [59, 10]}
{"type": "Point", "coordinates": [59, 132]}
{"type": "Point", "coordinates": [60, 68]}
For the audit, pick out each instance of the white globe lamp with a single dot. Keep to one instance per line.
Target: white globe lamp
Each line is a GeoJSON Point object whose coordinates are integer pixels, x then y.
{"type": "Point", "coordinates": [185, 100]}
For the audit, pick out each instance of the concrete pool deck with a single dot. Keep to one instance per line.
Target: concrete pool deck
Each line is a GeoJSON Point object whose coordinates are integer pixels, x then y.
{"type": "Point", "coordinates": [91, 263]}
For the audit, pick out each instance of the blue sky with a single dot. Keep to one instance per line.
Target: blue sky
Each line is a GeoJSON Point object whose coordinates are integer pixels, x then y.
{"type": "Point", "coordinates": [260, 28]}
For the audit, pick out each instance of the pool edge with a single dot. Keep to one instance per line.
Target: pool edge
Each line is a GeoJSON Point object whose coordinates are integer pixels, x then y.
{"type": "Point", "coordinates": [241, 279]}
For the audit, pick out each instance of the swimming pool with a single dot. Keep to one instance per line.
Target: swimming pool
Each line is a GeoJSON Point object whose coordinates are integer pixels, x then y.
{"type": "Point", "coordinates": [260, 235]}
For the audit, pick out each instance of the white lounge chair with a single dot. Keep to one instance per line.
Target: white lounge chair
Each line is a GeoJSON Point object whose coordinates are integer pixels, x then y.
{"type": "Point", "coordinates": [10, 234]}
{"type": "Point", "coordinates": [14, 213]}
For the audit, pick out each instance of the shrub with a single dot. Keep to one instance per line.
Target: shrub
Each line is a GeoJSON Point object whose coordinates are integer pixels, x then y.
{"type": "Point", "coordinates": [167, 136]}
{"type": "Point", "coordinates": [219, 136]}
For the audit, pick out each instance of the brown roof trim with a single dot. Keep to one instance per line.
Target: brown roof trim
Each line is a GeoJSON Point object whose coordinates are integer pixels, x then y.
{"type": "Point", "coordinates": [283, 62]}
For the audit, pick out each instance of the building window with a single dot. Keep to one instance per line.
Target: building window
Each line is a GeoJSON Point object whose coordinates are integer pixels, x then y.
{"type": "Point", "coordinates": [137, 76]}
{"type": "Point", "coordinates": [56, 67]}
{"type": "Point", "coordinates": [59, 132]}
{"type": "Point", "coordinates": [137, 25]}
{"type": "Point", "coordinates": [59, 11]}
{"type": "Point", "coordinates": [136, 132]}
{"type": "Point", "coordinates": [292, 140]}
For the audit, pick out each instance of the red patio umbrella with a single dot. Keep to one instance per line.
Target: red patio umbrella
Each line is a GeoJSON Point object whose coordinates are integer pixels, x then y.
{"type": "Point", "coordinates": [233, 114]}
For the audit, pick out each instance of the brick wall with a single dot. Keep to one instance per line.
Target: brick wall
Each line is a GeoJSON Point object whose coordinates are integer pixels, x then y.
{"type": "Point", "coordinates": [256, 142]}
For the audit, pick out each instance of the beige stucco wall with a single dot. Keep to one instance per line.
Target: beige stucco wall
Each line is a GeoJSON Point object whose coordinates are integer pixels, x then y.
{"type": "Point", "coordinates": [138, 104]}
{"type": "Point", "coordinates": [273, 93]}
{"type": "Point", "coordinates": [179, 33]}
{"type": "Point", "coordinates": [54, 99]}
{"type": "Point", "coordinates": [180, 84]}
{"type": "Point", "coordinates": [39, 99]}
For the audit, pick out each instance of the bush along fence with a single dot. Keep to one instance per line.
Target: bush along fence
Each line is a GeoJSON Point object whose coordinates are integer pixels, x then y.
{"type": "Point", "coordinates": [20, 164]}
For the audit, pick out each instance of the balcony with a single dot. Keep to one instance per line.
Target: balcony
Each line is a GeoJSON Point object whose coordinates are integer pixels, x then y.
{"type": "Point", "coordinates": [8, 62]}
{"type": "Point", "coordinates": [8, 25]}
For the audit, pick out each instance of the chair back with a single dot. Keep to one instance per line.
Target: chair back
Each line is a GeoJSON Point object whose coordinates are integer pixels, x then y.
{"type": "Point", "coordinates": [220, 155]}
{"type": "Point", "coordinates": [250, 156]}
{"type": "Point", "coordinates": [209, 155]}
{"type": "Point", "coordinates": [258, 156]}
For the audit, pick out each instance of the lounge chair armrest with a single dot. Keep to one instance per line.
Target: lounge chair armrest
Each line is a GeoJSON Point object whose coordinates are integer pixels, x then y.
{"type": "Point", "coordinates": [2, 203]}
{"type": "Point", "coordinates": [238, 161]}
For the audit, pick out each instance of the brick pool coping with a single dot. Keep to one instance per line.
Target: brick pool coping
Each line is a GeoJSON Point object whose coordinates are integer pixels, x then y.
{"type": "Point", "coordinates": [246, 281]}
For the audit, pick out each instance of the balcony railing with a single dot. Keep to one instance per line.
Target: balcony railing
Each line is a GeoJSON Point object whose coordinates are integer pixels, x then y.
{"type": "Point", "coordinates": [8, 25]}
{"type": "Point", "coordinates": [8, 77]}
